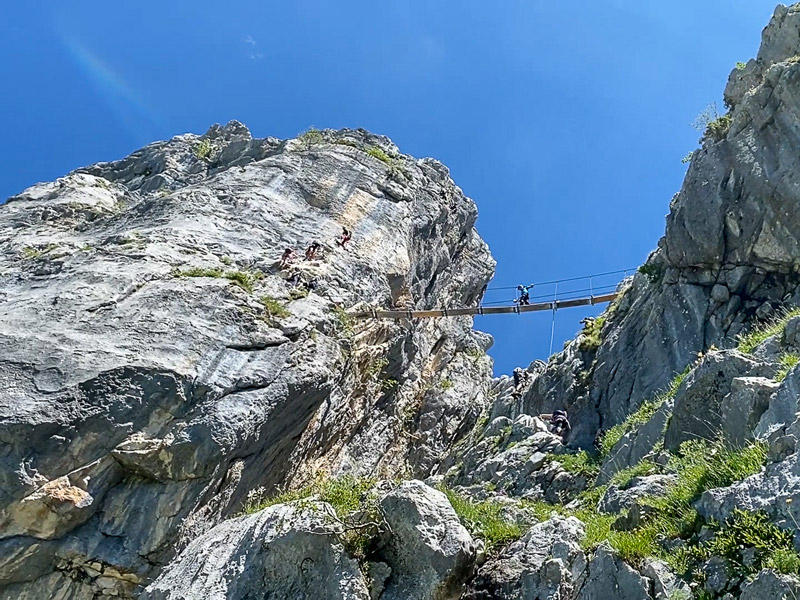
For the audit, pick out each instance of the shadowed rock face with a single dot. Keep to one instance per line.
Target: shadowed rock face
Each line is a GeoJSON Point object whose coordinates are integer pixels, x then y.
{"type": "Point", "coordinates": [141, 406]}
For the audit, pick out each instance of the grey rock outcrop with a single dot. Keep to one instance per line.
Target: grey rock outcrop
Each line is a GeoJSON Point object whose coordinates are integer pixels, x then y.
{"type": "Point", "coordinates": [285, 551]}
{"type": "Point", "coordinates": [697, 412]}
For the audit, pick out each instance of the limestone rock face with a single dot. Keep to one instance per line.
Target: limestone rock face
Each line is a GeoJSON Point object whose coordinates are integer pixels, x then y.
{"type": "Point", "coordinates": [158, 365]}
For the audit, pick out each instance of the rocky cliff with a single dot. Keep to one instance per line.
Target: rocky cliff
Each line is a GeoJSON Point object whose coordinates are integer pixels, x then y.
{"type": "Point", "coordinates": [185, 417]}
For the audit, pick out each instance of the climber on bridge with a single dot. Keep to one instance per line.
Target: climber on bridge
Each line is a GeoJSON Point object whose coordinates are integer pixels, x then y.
{"type": "Point", "coordinates": [344, 238]}
{"type": "Point", "coordinates": [524, 294]}
{"type": "Point", "coordinates": [287, 257]}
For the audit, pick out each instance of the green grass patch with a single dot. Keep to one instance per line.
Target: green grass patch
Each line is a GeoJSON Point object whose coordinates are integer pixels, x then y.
{"type": "Point", "coordinates": [740, 66]}
{"type": "Point", "coordinates": [787, 362]}
{"type": "Point", "coordinates": [591, 336]}
{"type": "Point", "coordinates": [243, 279]}
{"type": "Point", "coordinates": [388, 384]}
{"type": "Point", "coordinates": [579, 463]}
{"type": "Point", "coordinates": [343, 323]}
{"type": "Point", "coordinates": [378, 153]}
{"type": "Point", "coordinates": [750, 340]}
{"type": "Point", "coordinates": [350, 498]}
{"type": "Point", "coordinates": [298, 293]}
{"type": "Point", "coordinates": [623, 478]}
{"type": "Point", "coordinates": [484, 520]}
{"type": "Point", "coordinates": [201, 272]}
{"type": "Point", "coordinates": [641, 416]}
{"type": "Point", "coordinates": [446, 384]}
{"type": "Point", "coordinates": [274, 307]}
{"type": "Point", "coordinates": [374, 367]}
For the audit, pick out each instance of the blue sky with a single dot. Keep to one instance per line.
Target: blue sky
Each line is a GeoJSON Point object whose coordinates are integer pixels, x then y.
{"type": "Point", "coordinates": [565, 122]}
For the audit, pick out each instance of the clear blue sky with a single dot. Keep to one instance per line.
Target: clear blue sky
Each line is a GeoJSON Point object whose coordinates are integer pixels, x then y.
{"type": "Point", "coordinates": [566, 122]}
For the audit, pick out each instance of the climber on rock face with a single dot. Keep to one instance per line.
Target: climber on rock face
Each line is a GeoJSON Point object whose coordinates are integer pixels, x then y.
{"type": "Point", "coordinates": [344, 238]}
{"type": "Point", "coordinates": [518, 377]}
{"type": "Point", "coordinates": [311, 251]}
{"type": "Point", "coordinates": [559, 424]}
{"type": "Point", "coordinates": [287, 257]}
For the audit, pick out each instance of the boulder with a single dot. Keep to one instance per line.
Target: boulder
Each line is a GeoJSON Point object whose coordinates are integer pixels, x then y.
{"type": "Point", "coordinates": [635, 444]}
{"type": "Point", "coordinates": [769, 584]}
{"type": "Point", "coordinates": [698, 402]}
{"type": "Point", "coordinates": [743, 406]}
{"type": "Point", "coordinates": [545, 563]}
{"type": "Point", "coordinates": [290, 551]}
{"type": "Point", "coordinates": [429, 551]}
{"type": "Point", "coordinates": [608, 576]}
{"type": "Point", "coordinates": [616, 500]}
{"type": "Point", "coordinates": [666, 585]}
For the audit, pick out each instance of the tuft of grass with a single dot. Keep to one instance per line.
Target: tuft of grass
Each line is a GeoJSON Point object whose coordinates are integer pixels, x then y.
{"type": "Point", "coordinates": [475, 353]}
{"type": "Point", "coordinates": [374, 367]}
{"type": "Point", "coordinates": [740, 66]}
{"type": "Point", "coordinates": [201, 272]}
{"type": "Point", "coordinates": [687, 158]}
{"type": "Point", "coordinates": [343, 322]}
{"type": "Point", "coordinates": [311, 137]}
{"type": "Point", "coordinates": [243, 279]}
{"type": "Point", "coordinates": [484, 520]}
{"type": "Point", "coordinates": [446, 384]}
{"type": "Point", "coordinates": [298, 293]}
{"type": "Point", "coordinates": [203, 150]}
{"type": "Point", "coordinates": [749, 341]}
{"type": "Point", "coordinates": [378, 153]}
{"type": "Point", "coordinates": [351, 499]}
{"type": "Point", "coordinates": [274, 308]}
{"type": "Point", "coordinates": [641, 416]}
{"type": "Point", "coordinates": [388, 384]}
{"type": "Point", "coordinates": [591, 336]}
{"type": "Point", "coordinates": [788, 361]}
{"type": "Point", "coordinates": [580, 463]}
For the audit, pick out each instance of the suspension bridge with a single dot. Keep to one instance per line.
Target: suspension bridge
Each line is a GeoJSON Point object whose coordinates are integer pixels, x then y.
{"type": "Point", "coordinates": [589, 295]}
{"type": "Point", "coordinates": [597, 289]}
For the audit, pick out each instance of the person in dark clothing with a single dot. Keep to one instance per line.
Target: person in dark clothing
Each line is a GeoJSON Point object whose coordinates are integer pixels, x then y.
{"type": "Point", "coordinates": [559, 424]}
{"type": "Point", "coordinates": [519, 377]}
